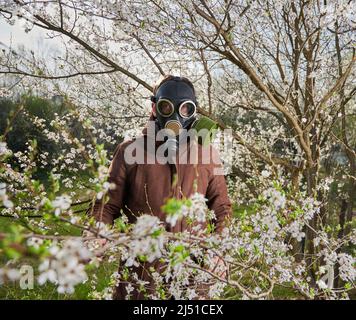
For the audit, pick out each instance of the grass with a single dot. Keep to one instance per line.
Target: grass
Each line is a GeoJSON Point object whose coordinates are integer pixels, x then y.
{"type": "Point", "coordinates": [101, 274]}
{"type": "Point", "coordinates": [82, 291]}
{"type": "Point", "coordinates": [49, 291]}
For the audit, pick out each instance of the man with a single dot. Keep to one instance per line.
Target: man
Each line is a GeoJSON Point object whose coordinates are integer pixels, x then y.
{"type": "Point", "coordinates": [143, 186]}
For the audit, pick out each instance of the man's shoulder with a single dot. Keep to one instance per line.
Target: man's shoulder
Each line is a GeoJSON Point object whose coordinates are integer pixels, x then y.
{"type": "Point", "coordinates": [209, 148]}
{"type": "Point", "coordinates": [124, 144]}
{"type": "Point", "coordinates": [122, 147]}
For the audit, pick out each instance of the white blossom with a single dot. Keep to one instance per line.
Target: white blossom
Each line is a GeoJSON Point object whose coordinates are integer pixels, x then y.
{"type": "Point", "coordinates": [347, 267]}
{"type": "Point", "coordinates": [4, 197]}
{"type": "Point", "coordinates": [61, 203]}
{"type": "Point", "coordinates": [65, 267]}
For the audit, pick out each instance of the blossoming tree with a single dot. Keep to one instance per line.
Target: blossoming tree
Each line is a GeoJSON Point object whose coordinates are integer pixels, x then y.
{"type": "Point", "coordinates": [280, 74]}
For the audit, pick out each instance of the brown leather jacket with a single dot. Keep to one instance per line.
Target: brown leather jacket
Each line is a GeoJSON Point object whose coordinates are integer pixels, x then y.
{"type": "Point", "coordinates": [144, 188]}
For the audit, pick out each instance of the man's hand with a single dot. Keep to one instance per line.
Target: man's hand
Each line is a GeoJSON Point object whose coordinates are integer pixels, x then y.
{"type": "Point", "coordinates": [218, 267]}
{"type": "Point", "coordinates": [100, 242]}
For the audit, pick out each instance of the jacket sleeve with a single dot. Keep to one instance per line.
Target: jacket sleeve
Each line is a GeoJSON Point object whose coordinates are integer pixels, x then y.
{"type": "Point", "coordinates": [217, 195]}
{"type": "Point", "coordinates": [109, 211]}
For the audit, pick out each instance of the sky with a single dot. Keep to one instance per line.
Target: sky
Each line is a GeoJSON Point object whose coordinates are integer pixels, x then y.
{"type": "Point", "coordinates": [34, 40]}
{"type": "Point", "coordinates": [16, 34]}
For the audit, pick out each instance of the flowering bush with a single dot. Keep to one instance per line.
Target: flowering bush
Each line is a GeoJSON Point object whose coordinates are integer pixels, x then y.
{"type": "Point", "coordinates": [256, 250]}
{"type": "Point", "coordinates": [278, 74]}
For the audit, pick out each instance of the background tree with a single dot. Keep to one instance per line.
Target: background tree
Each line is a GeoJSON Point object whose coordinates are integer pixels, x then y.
{"type": "Point", "coordinates": [279, 73]}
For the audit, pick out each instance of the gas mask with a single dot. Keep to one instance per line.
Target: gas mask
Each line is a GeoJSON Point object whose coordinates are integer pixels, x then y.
{"type": "Point", "coordinates": [175, 105]}
{"type": "Point", "coordinates": [176, 108]}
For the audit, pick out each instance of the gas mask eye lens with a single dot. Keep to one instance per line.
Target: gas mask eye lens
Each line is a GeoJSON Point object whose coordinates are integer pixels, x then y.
{"type": "Point", "coordinates": [187, 109]}
{"type": "Point", "coordinates": [165, 108]}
